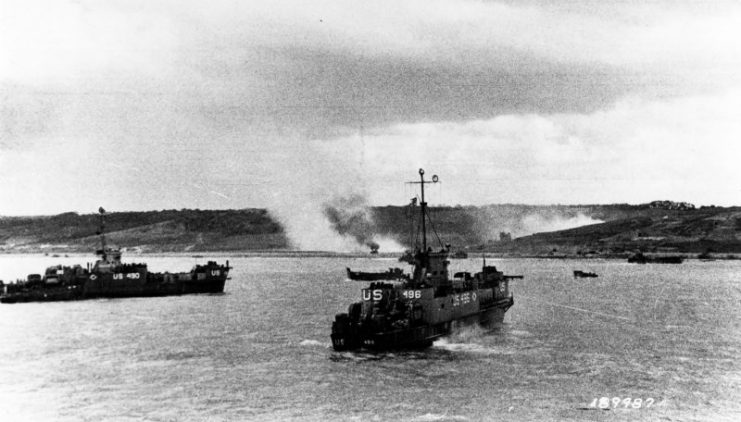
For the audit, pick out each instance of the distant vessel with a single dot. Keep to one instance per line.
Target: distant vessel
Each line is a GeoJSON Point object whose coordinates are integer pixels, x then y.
{"type": "Point", "coordinates": [109, 278]}
{"type": "Point", "coordinates": [584, 274]}
{"type": "Point", "coordinates": [414, 310]}
{"type": "Point", "coordinates": [407, 257]}
{"type": "Point", "coordinates": [391, 274]}
{"type": "Point", "coordinates": [459, 254]}
{"type": "Point", "coordinates": [640, 258]}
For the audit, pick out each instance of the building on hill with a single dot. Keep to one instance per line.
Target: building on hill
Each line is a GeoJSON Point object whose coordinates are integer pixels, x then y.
{"type": "Point", "coordinates": [671, 205]}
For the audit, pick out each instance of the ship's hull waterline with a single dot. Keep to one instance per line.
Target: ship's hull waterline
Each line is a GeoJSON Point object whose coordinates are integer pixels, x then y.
{"type": "Point", "coordinates": [345, 336]}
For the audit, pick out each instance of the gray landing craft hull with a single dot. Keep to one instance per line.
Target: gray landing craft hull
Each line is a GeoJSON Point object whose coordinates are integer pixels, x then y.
{"type": "Point", "coordinates": [82, 292]}
{"type": "Point", "coordinates": [109, 277]}
{"type": "Point", "coordinates": [353, 337]}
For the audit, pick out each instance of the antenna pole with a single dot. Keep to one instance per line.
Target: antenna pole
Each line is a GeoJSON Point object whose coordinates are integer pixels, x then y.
{"type": "Point", "coordinates": [424, 205]}
{"type": "Point", "coordinates": [102, 231]}
{"type": "Point", "coordinates": [410, 213]}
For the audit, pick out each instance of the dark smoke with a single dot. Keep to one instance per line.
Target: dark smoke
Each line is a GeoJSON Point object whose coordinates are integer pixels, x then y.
{"type": "Point", "coordinates": [350, 216]}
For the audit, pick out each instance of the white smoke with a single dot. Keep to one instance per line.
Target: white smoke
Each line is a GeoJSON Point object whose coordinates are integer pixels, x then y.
{"type": "Point", "coordinates": [309, 230]}
{"type": "Point", "coordinates": [536, 223]}
{"type": "Point", "coordinates": [387, 244]}
{"type": "Point", "coordinates": [324, 206]}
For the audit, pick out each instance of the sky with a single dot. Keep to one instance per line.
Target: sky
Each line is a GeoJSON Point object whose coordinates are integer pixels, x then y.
{"type": "Point", "coordinates": [285, 105]}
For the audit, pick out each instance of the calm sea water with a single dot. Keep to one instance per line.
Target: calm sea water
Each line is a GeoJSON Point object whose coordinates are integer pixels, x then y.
{"type": "Point", "coordinates": [261, 350]}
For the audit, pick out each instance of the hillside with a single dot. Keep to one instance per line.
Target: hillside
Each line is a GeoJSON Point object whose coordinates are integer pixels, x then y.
{"type": "Point", "coordinates": [153, 231]}
{"type": "Point", "coordinates": [712, 229]}
{"type": "Point", "coordinates": [583, 230]}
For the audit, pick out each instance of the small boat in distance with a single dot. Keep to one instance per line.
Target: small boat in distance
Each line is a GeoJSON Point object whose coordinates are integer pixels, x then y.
{"type": "Point", "coordinates": [640, 258]}
{"type": "Point", "coordinates": [459, 254]}
{"type": "Point", "coordinates": [391, 274]}
{"type": "Point", "coordinates": [407, 257]}
{"type": "Point", "coordinates": [583, 274]}
{"type": "Point", "coordinates": [111, 278]}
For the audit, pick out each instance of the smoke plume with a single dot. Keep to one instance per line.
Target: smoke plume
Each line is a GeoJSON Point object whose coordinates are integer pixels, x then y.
{"type": "Point", "coordinates": [499, 222]}
{"type": "Point", "coordinates": [350, 216]}
{"type": "Point", "coordinates": [536, 223]}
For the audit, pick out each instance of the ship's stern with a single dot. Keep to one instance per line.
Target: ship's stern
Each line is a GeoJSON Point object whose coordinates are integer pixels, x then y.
{"type": "Point", "coordinates": [345, 334]}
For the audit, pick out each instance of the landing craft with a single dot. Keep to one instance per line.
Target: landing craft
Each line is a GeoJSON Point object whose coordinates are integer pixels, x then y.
{"type": "Point", "coordinates": [109, 277]}
{"type": "Point", "coordinates": [414, 310]}
{"type": "Point", "coordinates": [640, 258]}
{"type": "Point", "coordinates": [584, 274]}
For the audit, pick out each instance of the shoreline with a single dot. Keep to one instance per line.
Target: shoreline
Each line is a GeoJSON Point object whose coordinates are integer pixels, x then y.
{"type": "Point", "coordinates": [356, 255]}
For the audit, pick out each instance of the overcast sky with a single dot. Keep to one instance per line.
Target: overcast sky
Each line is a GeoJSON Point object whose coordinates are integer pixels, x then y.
{"type": "Point", "coordinates": [141, 105]}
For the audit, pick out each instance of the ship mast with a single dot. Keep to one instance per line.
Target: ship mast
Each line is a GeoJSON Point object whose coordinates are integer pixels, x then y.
{"type": "Point", "coordinates": [423, 205]}
{"type": "Point", "coordinates": [410, 213]}
{"type": "Point", "coordinates": [101, 232]}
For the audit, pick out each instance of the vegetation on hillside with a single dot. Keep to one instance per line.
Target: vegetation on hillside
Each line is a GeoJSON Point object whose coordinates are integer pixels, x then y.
{"type": "Point", "coordinates": [168, 230]}
{"type": "Point", "coordinates": [603, 230]}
